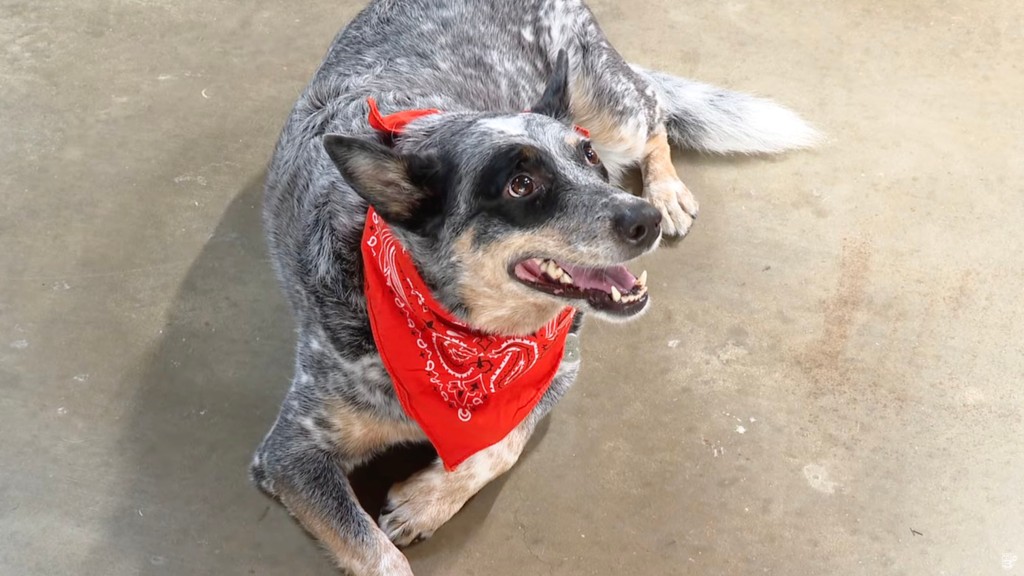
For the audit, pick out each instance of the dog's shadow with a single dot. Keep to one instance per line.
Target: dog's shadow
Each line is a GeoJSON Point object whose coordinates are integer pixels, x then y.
{"type": "Point", "coordinates": [194, 410]}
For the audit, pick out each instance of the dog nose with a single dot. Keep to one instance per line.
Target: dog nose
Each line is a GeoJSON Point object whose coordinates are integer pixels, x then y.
{"type": "Point", "coordinates": [638, 224]}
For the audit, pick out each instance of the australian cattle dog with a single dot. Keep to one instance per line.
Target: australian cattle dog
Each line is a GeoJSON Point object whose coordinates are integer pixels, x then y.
{"type": "Point", "coordinates": [442, 209]}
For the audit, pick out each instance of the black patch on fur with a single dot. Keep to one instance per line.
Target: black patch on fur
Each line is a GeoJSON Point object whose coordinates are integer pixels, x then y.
{"type": "Point", "coordinates": [577, 323]}
{"type": "Point", "coordinates": [523, 213]}
{"type": "Point", "coordinates": [436, 175]}
{"type": "Point", "coordinates": [554, 102]}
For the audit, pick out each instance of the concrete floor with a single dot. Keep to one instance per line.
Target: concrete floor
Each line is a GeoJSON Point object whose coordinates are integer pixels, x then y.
{"type": "Point", "coordinates": [830, 382]}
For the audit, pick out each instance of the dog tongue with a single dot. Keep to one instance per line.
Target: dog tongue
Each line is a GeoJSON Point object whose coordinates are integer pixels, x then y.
{"type": "Point", "coordinates": [601, 278]}
{"type": "Point", "coordinates": [529, 270]}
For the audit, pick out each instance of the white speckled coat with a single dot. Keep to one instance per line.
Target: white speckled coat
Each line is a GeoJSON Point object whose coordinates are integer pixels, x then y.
{"type": "Point", "coordinates": [444, 188]}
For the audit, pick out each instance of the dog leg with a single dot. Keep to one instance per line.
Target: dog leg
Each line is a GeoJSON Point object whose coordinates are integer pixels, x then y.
{"type": "Point", "coordinates": [664, 189]}
{"type": "Point", "coordinates": [429, 498]}
{"type": "Point", "coordinates": [356, 544]}
{"type": "Point", "coordinates": [303, 463]}
{"type": "Point", "coordinates": [622, 139]}
{"type": "Point", "coordinates": [623, 112]}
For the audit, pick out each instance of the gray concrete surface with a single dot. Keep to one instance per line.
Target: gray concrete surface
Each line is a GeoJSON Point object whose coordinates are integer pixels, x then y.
{"type": "Point", "coordinates": [831, 381]}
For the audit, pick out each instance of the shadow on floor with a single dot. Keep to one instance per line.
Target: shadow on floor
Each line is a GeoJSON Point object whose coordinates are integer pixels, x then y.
{"type": "Point", "coordinates": [202, 400]}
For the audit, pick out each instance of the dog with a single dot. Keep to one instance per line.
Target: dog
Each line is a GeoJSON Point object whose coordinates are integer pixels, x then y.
{"type": "Point", "coordinates": [483, 141]}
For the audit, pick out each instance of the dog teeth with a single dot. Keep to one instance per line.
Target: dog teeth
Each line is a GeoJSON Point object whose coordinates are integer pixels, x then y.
{"type": "Point", "coordinates": [628, 298]}
{"type": "Point", "coordinates": [642, 280]}
{"type": "Point", "coordinates": [554, 271]}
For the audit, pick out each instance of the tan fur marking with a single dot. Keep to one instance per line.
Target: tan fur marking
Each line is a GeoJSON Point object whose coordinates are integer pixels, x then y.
{"type": "Point", "coordinates": [360, 434]}
{"type": "Point", "coordinates": [384, 180]}
{"type": "Point", "coordinates": [605, 130]}
{"type": "Point", "coordinates": [379, 558]}
{"type": "Point", "coordinates": [495, 301]}
{"type": "Point", "coordinates": [664, 189]}
{"type": "Point", "coordinates": [657, 161]}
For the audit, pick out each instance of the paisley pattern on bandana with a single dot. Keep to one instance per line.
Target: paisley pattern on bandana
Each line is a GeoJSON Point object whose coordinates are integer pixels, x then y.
{"type": "Point", "coordinates": [466, 389]}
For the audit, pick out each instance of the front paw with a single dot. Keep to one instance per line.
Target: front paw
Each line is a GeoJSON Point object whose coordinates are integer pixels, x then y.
{"type": "Point", "coordinates": [677, 205]}
{"type": "Point", "coordinates": [417, 507]}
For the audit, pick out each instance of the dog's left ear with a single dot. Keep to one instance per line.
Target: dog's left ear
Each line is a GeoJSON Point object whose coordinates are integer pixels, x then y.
{"type": "Point", "coordinates": [554, 102]}
{"type": "Point", "coordinates": [401, 188]}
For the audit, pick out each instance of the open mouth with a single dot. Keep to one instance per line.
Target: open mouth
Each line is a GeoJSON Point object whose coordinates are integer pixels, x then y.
{"type": "Point", "coordinates": [612, 289]}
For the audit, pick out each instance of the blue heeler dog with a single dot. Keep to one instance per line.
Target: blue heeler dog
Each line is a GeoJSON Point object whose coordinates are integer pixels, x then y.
{"type": "Point", "coordinates": [508, 212]}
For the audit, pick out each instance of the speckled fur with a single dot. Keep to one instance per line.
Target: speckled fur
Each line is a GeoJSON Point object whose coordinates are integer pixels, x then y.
{"type": "Point", "coordinates": [481, 62]}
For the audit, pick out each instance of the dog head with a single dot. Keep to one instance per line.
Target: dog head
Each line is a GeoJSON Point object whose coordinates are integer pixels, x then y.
{"type": "Point", "coordinates": [509, 218]}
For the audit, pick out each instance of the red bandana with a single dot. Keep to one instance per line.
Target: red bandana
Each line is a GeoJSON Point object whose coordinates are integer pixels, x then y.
{"type": "Point", "coordinates": [466, 389]}
{"type": "Point", "coordinates": [393, 124]}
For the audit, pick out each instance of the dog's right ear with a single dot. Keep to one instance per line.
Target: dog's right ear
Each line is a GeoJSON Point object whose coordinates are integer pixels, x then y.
{"type": "Point", "coordinates": [554, 102]}
{"type": "Point", "coordinates": [396, 186]}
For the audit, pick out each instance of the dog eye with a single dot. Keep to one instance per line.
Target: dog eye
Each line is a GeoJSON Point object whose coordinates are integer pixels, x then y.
{"type": "Point", "coordinates": [591, 154]}
{"type": "Point", "coordinates": [520, 186]}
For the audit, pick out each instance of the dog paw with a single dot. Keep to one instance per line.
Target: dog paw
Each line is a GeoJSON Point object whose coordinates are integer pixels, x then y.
{"type": "Point", "coordinates": [417, 507]}
{"type": "Point", "coordinates": [677, 205]}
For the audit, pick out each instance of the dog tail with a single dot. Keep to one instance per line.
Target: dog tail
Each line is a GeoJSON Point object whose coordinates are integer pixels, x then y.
{"type": "Point", "coordinates": [711, 119]}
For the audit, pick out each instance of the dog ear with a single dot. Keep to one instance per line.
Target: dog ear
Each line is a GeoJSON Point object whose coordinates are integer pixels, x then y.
{"type": "Point", "coordinates": [554, 102]}
{"type": "Point", "coordinates": [398, 187]}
